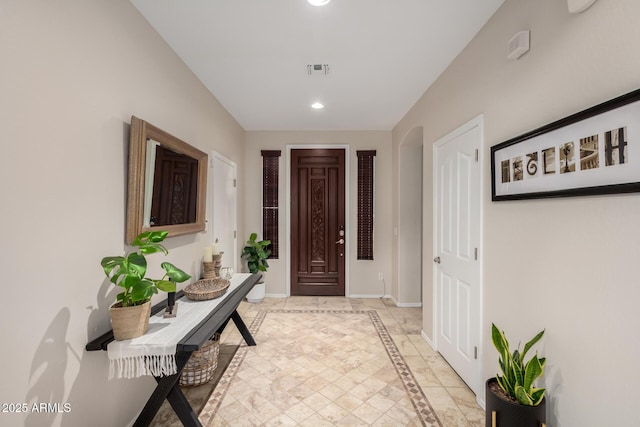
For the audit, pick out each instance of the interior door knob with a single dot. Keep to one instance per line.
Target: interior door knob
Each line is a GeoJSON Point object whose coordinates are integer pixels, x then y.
{"type": "Point", "coordinates": [437, 260]}
{"type": "Point", "coordinates": [341, 241]}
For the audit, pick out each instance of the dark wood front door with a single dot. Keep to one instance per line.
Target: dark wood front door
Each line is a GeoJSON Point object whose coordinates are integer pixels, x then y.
{"type": "Point", "coordinates": [174, 194]}
{"type": "Point", "coordinates": [317, 222]}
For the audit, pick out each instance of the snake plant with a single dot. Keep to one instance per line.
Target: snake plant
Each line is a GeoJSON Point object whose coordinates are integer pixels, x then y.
{"type": "Point", "coordinates": [517, 376]}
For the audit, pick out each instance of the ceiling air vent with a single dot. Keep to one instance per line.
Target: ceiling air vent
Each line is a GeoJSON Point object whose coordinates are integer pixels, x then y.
{"type": "Point", "coordinates": [317, 69]}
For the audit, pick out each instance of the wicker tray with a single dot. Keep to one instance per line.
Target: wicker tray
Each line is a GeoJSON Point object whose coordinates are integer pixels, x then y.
{"type": "Point", "coordinates": [205, 289]}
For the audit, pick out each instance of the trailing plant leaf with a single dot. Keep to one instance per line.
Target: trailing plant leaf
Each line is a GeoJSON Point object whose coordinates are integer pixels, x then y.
{"type": "Point", "coordinates": [143, 290]}
{"type": "Point", "coordinates": [136, 264]}
{"type": "Point", "coordinates": [129, 272]}
{"type": "Point", "coordinates": [130, 282]}
{"type": "Point", "coordinates": [166, 286]}
{"type": "Point", "coordinates": [518, 377]}
{"type": "Point", "coordinates": [149, 242]}
{"type": "Point", "coordinates": [120, 297]}
{"type": "Point", "coordinates": [174, 273]}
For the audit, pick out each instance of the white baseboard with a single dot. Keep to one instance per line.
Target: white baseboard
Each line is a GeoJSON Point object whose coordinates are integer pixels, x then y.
{"type": "Point", "coordinates": [426, 338]}
{"type": "Point", "coordinates": [405, 304]}
{"type": "Point", "coordinates": [481, 402]}
{"type": "Point", "coordinates": [276, 295]}
{"type": "Point", "coordinates": [367, 296]}
{"type": "Point", "coordinates": [409, 304]}
{"type": "Point", "coordinates": [479, 396]}
{"type": "Point", "coordinates": [364, 296]}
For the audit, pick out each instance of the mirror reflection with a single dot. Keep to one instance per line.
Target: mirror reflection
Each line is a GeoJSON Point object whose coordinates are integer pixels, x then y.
{"type": "Point", "coordinates": [167, 183]}
{"type": "Point", "coordinates": [171, 186]}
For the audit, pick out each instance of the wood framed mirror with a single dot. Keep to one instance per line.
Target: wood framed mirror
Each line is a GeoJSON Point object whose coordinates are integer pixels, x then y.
{"type": "Point", "coordinates": [167, 183]}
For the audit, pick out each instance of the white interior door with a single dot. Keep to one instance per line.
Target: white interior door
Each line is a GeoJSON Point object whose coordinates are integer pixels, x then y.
{"type": "Point", "coordinates": [457, 226]}
{"type": "Point", "coordinates": [224, 199]}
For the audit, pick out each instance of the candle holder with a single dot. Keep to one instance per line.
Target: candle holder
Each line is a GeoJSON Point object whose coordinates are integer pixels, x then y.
{"type": "Point", "coordinates": [209, 270]}
{"type": "Point", "coordinates": [217, 263]}
{"type": "Point", "coordinates": [172, 308]}
{"type": "Point", "coordinates": [226, 273]}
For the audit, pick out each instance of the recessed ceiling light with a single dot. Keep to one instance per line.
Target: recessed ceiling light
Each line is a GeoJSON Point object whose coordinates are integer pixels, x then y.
{"type": "Point", "coordinates": [318, 2]}
{"type": "Point", "coordinates": [317, 106]}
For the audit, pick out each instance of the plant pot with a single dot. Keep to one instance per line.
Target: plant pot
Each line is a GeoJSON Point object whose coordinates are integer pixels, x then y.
{"type": "Point", "coordinates": [512, 414]}
{"type": "Point", "coordinates": [129, 322]}
{"type": "Point", "coordinates": [256, 294]}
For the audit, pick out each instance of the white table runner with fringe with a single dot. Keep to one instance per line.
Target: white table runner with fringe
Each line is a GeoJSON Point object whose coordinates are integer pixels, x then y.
{"type": "Point", "coordinates": [154, 352]}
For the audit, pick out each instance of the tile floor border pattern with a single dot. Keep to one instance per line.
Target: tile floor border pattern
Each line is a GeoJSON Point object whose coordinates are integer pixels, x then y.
{"type": "Point", "coordinates": [220, 391]}
{"type": "Point", "coordinates": [416, 395]}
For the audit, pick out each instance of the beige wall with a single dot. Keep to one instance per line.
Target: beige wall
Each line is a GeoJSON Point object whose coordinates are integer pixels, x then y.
{"type": "Point", "coordinates": [72, 73]}
{"type": "Point", "coordinates": [363, 276]}
{"type": "Point", "coordinates": [567, 265]}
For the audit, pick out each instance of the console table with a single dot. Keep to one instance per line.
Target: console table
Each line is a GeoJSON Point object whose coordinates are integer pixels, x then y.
{"type": "Point", "coordinates": [216, 320]}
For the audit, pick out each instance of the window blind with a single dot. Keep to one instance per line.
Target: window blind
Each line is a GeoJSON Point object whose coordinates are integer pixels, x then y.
{"type": "Point", "coordinates": [365, 203]}
{"type": "Point", "coordinates": [270, 168]}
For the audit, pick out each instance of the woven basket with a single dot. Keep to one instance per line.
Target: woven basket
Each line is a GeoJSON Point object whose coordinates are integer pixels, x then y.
{"type": "Point", "coordinates": [202, 364]}
{"type": "Point", "coordinates": [205, 289]}
{"type": "Point", "coordinates": [129, 322]}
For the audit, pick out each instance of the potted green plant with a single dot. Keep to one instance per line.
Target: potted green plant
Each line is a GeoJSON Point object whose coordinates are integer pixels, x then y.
{"type": "Point", "coordinates": [511, 398]}
{"type": "Point", "coordinates": [130, 313]}
{"type": "Point", "coordinates": [256, 254]}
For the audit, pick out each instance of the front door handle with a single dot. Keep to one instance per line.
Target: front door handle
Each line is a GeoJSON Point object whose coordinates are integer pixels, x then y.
{"type": "Point", "coordinates": [437, 260]}
{"type": "Point", "coordinates": [341, 242]}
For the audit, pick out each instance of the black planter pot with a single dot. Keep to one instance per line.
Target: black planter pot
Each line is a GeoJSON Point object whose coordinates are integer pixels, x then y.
{"type": "Point", "coordinates": [510, 414]}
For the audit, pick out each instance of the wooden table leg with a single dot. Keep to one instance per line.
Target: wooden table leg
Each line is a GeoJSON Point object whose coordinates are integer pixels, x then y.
{"type": "Point", "coordinates": [166, 385]}
{"type": "Point", "coordinates": [248, 338]}
{"type": "Point", "coordinates": [182, 408]}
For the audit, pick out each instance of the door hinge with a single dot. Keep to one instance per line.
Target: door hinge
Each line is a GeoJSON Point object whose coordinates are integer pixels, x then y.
{"type": "Point", "coordinates": [235, 183]}
{"type": "Point", "coordinates": [477, 155]}
{"type": "Point", "coordinates": [475, 353]}
{"type": "Point", "coordinates": [475, 254]}
{"type": "Point", "coordinates": [234, 234]}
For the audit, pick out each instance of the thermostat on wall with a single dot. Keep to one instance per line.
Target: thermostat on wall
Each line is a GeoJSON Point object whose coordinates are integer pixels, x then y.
{"type": "Point", "coordinates": [577, 6]}
{"type": "Point", "coordinates": [518, 45]}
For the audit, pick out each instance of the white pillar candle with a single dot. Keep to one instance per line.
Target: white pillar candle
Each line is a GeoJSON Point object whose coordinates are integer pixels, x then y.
{"type": "Point", "coordinates": [215, 250]}
{"type": "Point", "coordinates": [208, 254]}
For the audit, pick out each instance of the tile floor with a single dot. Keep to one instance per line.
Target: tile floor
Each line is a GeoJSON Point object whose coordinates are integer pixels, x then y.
{"type": "Point", "coordinates": [451, 400]}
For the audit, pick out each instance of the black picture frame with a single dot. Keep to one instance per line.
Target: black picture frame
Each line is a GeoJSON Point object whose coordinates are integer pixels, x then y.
{"type": "Point", "coordinates": [593, 152]}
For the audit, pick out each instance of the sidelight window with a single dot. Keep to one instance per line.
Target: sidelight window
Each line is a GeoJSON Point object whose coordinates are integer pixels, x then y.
{"type": "Point", "coordinates": [270, 167]}
{"type": "Point", "coordinates": [365, 203]}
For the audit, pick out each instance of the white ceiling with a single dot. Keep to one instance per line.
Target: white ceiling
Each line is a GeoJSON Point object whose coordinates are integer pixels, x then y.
{"type": "Point", "coordinates": [253, 55]}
